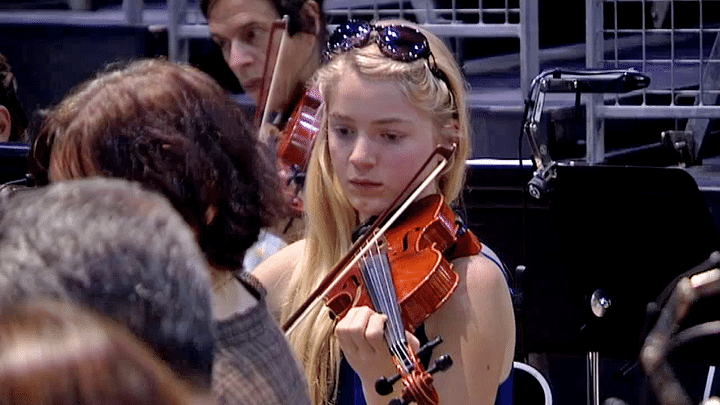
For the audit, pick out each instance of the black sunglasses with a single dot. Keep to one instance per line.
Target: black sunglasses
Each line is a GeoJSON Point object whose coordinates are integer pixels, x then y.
{"type": "Point", "coordinates": [397, 42]}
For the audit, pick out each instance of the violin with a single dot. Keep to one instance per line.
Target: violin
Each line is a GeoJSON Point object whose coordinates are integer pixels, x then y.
{"type": "Point", "coordinates": [296, 138]}
{"type": "Point", "coordinates": [407, 276]}
{"type": "Point", "coordinates": [414, 245]}
{"type": "Point", "coordinates": [294, 141]}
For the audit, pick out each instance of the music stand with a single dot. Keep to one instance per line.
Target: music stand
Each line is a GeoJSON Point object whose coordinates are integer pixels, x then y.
{"type": "Point", "coordinates": [628, 231]}
{"type": "Point", "coordinates": [623, 234]}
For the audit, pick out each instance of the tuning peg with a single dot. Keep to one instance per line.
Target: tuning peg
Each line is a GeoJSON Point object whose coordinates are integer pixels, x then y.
{"type": "Point", "coordinates": [384, 386]}
{"type": "Point", "coordinates": [429, 346]}
{"type": "Point", "coordinates": [441, 364]}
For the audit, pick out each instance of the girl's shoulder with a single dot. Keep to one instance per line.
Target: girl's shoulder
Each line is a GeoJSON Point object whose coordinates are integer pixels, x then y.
{"type": "Point", "coordinates": [274, 273]}
{"type": "Point", "coordinates": [484, 273]}
{"type": "Point", "coordinates": [479, 311]}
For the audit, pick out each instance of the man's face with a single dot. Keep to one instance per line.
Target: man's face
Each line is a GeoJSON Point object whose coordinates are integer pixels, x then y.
{"type": "Point", "coordinates": [242, 30]}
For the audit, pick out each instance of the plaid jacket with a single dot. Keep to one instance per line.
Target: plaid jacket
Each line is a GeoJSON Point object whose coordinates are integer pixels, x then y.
{"type": "Point", "coordinates": [254, 363]}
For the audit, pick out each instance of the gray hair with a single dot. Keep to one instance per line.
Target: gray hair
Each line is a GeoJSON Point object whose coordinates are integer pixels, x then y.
{"type": "Point", "coordinates": [123, 251]}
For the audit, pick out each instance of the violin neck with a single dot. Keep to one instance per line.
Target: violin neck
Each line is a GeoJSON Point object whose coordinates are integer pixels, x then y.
{"type": "Point", "coordinates": [377, 277]}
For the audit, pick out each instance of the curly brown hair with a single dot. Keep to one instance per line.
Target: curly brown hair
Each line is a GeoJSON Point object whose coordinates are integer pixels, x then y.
{"type": "Point", "coordinates": [172, 128]}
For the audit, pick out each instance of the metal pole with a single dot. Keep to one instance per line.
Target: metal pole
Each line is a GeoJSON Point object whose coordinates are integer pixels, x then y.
{"type": "Point", "coordinates": [595, 126]}
{"type": "Point", "coordinates": [133, 10]}
{"type": "Point", "coordinates": [177, 44]}
{"type": "Point", "coordinates": [529, 44]}
{"type": "Point", "coordinates": [593, 378]}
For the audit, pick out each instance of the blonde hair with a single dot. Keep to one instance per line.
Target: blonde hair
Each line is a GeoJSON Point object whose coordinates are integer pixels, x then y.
{"type": "Point", "coordinates": [330, 217]}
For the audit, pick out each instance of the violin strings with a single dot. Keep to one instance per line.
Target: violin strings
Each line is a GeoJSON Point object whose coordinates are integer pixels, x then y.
{"type": "Point", "coordinates": [384, 281]}
{"type": "Point", "coordinates": [380, 286]}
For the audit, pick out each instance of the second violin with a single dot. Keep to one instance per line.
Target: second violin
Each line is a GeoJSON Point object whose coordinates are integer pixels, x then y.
{"type": "Point", "coordinates": [294, 145]}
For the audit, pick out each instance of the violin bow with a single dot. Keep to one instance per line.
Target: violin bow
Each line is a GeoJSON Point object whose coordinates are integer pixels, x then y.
{"type": "Point", "coordinates": [268, 89]}
{"type": "Point", "coordinates": [370, 237]}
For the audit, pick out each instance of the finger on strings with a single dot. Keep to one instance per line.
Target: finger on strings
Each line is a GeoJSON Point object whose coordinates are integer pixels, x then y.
{"type": "Point", "coordinates": [412, 341]}
{"type": "Point", "coordinates": [350, 329]}
{"type": "Point", "coordinates": [357, 329]}
{"type": "Point", "coordinates": [375, 332]}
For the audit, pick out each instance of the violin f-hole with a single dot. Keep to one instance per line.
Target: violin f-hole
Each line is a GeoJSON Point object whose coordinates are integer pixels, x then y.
{"type": "Point", "coordinates": [341, 303]}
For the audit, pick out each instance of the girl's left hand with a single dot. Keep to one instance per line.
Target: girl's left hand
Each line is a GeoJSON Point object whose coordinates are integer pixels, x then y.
{"type": "Point", "coordinates": [362, 340]}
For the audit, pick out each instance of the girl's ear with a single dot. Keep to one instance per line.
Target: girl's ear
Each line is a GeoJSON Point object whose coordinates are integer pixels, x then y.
{"type": "Point", "coordinates": [450, 133]}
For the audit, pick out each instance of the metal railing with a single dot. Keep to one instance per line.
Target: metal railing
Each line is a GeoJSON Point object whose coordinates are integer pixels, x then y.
{"type": "Point", "coordinates": [131, 13]}
{"type": "Point", "coordinates": [681, 55]}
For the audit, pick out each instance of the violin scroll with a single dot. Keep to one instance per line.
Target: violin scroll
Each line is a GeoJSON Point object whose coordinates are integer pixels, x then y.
{"type": "Point", "coordinates": [417, 384]}
{"type": "Point", "coordinates": [411, 395]}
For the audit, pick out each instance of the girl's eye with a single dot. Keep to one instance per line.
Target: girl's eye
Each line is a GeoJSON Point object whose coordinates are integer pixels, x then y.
{"type": "Point", "coordinates": [391, 136]}
{"type": "Point", "coordinates": [341, 131]}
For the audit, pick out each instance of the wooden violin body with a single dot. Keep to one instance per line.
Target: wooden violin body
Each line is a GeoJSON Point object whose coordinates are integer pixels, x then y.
{"type": "Point", "coordinates": [294, 137]}
{"type": "Point", "coordinates": [294, 145]}
{"type": "Point", "coordinates": [298, 134]}
{"type": "Point", "coordinates": [424, 279]}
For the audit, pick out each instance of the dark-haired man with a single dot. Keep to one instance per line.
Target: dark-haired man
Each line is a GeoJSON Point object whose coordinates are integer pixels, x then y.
{"type": "Point", "coordinates": [242, 30]}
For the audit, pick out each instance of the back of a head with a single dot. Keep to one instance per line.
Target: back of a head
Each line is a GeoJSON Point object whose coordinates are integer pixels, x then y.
{"type": "Point", "coordinates": [55, 353]}
{"type": "Point", "coordinates": [173, 129]}
{"type": "Point", "coordinates": [114, 247]}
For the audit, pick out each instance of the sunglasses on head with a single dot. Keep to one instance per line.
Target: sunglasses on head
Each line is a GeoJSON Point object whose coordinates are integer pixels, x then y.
{"type": "Point", "coordinates": [397, 42]}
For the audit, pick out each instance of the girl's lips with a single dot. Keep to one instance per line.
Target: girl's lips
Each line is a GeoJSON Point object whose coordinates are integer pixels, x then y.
{"type": "Point", "coordinates": [365, 183]}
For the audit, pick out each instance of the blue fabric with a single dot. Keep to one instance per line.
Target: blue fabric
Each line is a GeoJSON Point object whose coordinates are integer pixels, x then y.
{"type": "Point", "coordinates": [351, 392]}
{"type": "Point", "coordinates": [505, 391]}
